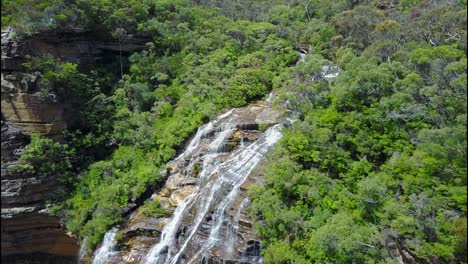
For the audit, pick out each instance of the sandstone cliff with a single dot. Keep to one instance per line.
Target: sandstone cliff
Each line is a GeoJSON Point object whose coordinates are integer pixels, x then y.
{"type": "Point", "coordinates": [29, 234]}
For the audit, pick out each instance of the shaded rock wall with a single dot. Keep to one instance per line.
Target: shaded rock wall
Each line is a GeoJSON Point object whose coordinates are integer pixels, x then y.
{"type": "Point", "coordinates": [33, 114]}
{"type": "Point", "coordinates": [29, 234]}
{"type": "Point", "coordinates": [35, 231]}
{"type": "Point", "coordinates": [26, 226]}
{"type": "Point", "coordinates": [22, 105]}
{"type": "Point", "coordinates": [38, 258]}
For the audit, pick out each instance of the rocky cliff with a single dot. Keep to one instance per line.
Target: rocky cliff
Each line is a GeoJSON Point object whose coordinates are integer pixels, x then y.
{"type": "Point", "coordinates": [29, 234]}
{"type": "Point", "coordinates": [26, 225]}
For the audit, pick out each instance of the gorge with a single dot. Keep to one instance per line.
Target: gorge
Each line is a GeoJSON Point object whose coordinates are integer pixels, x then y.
{"type": "Point", "coordinates": [221, 131]}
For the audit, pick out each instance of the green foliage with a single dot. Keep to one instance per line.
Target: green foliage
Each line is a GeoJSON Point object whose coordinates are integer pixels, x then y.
{"type": "Point", "coordinates": [106, 189]}
{"type": "Point", "coordinates": [247, 85]}
{"type": "Point", "coordinates": [40, 64]}
{"type": "Point", "coordinates": [102, 17]}
{"type": "Point", "coordinates": [84, 94]}
{"type": "Point", "coordinates": [356, 25]}
{"type": "Point", "coordinates": [106, 16]}
{"type": "Point", "coordinates": [153, 209]}
{"type": "Point", "coordinates": [377, 156]}
{"type": "Point", "coordinates": [36, 15]}
{"type": "Point", "coordinates": [46, 156]}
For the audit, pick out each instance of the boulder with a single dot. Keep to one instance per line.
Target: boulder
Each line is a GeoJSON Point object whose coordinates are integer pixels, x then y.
{"type": "Point", "coordinates": [179, 195]}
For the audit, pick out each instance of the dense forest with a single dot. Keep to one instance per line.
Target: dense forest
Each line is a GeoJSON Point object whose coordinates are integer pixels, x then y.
{"type": "Point", "coordinates": [375, 162]}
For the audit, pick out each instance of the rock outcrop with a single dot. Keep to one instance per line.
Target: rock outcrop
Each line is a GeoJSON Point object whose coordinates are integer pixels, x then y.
{"type": "Point", "coordinates": [22, 105]}
{"type": "Point", "coordinates": [27, 227]}
{"type": "Point", "coordinates": [29, 233]}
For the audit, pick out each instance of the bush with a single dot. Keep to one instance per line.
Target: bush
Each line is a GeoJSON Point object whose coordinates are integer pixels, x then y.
{"type": "Point", "coordinates": [153, 209]}
{"type": "Point", "coordinates": [46, 156]}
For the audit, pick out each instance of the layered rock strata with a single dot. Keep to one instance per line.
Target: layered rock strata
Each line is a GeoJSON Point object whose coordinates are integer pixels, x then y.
{"type": "Point", "coordinates": [29, 234]}
{"type": "Point", "coordinates": [27, 227]}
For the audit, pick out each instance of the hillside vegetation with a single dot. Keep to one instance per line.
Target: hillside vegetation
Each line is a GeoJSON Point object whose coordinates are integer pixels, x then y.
{"type": "Point", "coordinates": [374, 167]}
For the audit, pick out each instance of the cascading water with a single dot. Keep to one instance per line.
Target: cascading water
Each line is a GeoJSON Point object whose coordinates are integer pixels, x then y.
{"type": "Point", "coordinates": [205, 192]}
{"type": "Point", "coordinates": [302, 56]}
{"type": "Point", "coordinates": [231, 232]}
{"type": "Point", "coordinates": [107, 248]}
{"type": "Point", "coordinates": [83, 250]}
{"type": "Point", "coordinates": [222, 187]}
{"type": "Point", "coordinates": [169, 232]}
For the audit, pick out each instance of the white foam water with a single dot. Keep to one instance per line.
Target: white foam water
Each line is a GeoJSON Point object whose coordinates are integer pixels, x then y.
{"type": "Point", "coordinates": [221, 189]}
{"type": "Point", "coordinates": [107, 248]}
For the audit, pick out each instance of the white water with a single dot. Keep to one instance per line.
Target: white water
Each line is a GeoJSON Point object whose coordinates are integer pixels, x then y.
{"type": "Point", "coordinates": [201, 132]}
{"type": "Point", "coordinates": [167, 240]}
{"type": "Point", "coordinates": [302, 56]}
{"type": "Point", "coordinates": [83, 250]}
{"type": "Point", "coordinates": [330, 71]}
{"type": "Point", "coordinates": [223, 181]}
{"type": "Point", "coordinates": [107, 249]}
{"type": "Point", "coordinates": [217, 144]}
{"type": "Point", "coordinates": [169, 231]}
{"type": "Point", "coordinates": [219, 181]}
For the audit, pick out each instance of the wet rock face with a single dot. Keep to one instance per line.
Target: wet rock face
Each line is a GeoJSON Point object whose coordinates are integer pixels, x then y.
{"type": "Point", "coordinates": [217, 167]}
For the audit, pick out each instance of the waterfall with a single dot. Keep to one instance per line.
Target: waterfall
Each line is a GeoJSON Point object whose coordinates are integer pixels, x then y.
{"type": "Point", "coordinates": [107, 248]}
{"type": "Point", "coordinates": [83, 250]}
{"type": "Point", "coordinates": [204, 186]}
{"type": "Point", "coordinates": [201, 132]}
{"type": "Point", "coordinates": [169, 231]}
{"type": "Point", "coordinates": [231, 233]}
{"type": "Point", "coordinates": [302, 56]}
{"type": "Point", "coordinates": [165, 247]}
{"type": "Point", "coordinates": [222, 188]}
